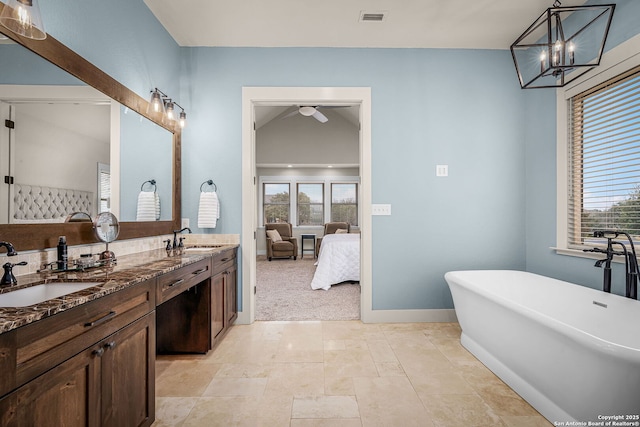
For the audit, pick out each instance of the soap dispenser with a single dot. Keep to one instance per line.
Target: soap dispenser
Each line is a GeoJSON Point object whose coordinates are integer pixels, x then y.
{"type": "Point", "coordinates": [62, 253]}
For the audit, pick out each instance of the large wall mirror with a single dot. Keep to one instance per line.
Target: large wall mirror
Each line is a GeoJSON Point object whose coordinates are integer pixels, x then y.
{"type": "Point", "coordinates": [79, 133]}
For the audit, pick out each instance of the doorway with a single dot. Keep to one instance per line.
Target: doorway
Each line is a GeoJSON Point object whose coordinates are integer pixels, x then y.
{"type": "Point", "coordinates": [253, 97]}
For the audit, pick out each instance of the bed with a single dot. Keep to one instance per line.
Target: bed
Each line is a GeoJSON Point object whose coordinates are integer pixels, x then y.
{"type": "Point", "coordinates": [33, 204]}
{"type": "Point", "coordinates": [338, 260]}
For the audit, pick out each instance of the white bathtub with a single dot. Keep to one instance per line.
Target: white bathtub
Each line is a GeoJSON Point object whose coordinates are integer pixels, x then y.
{"type": "Point", "coordinates": [572, 352]}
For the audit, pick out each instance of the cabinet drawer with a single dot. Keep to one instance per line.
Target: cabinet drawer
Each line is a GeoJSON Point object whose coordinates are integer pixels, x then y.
{"type": "Point", "coordinates": [50, 341]}
{"type": "Point", "coordinates": [223, 261]}
{"type": "Point", "coordinates": [177, 281]}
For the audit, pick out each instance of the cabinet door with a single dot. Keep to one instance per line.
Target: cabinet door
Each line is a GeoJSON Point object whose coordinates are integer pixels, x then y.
{"type": "Point", "coordinates": [217, 306]}
{"type": "Point", "coordinates": [128, 375]}
{"type": "Point", "coordinates": [67, 395]}
{"type": "Point", "coordinates": [230, 293]}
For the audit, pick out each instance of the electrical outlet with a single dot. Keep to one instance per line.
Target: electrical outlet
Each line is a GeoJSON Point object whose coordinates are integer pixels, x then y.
{"type": "Point", "coordinates": [378, 209]}
{"type": "Point", "coordinates": [442, 170]}
{"type": "Point", "coordinates": [185, 222]}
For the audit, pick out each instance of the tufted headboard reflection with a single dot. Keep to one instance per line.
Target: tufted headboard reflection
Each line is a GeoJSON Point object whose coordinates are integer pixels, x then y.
{"type": "Point", "coordinates": [37, 204]}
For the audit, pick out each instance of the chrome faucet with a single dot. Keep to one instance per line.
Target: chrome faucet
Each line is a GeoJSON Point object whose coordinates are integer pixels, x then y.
{"type": "Point", "coordinates": [10, 249]}
{"type": "Point", "coordinates": [175, 239]}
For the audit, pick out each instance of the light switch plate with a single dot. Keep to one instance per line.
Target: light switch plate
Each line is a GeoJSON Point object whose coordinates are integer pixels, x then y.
{"type": "Point", "coordinates": [185, 222]}
{"type": "Point", "coordinates": [379, 209]}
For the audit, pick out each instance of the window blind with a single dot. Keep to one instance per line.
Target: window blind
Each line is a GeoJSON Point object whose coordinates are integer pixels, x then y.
{"type": "Point", "coordinates": [604, 159]}
{"type": "Point", "coordinates": [105, 191]}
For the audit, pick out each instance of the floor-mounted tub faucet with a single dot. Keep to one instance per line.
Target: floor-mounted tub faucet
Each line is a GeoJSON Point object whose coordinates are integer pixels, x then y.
{"type": "Point", "coordinates": [630, 260]}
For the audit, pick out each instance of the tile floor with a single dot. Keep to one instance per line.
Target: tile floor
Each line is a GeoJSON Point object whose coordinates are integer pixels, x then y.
{"type": "Point", "coordinates": [342, 374]}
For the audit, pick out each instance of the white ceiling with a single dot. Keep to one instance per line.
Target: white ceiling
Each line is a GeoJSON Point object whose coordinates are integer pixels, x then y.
{"type": "Point", "coordinates": [469, 24]}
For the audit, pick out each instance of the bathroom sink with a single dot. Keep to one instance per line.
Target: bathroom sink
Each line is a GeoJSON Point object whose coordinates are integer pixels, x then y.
{"type": "Point", "coordinates": [41, 293]}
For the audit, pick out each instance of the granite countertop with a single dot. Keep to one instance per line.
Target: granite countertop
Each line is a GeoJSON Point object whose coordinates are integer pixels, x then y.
{"type": "Point", "coordinates": [129, 270]}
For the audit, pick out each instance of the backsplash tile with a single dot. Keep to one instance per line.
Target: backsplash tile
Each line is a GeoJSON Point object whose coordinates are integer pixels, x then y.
{"type": "Point", "coordinates": [37, 259]}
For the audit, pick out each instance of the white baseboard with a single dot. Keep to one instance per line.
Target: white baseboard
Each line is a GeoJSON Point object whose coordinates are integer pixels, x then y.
{"type": "Point", "coordinates": [391, 316]}
{"type": "Point", "coordinates": [409, 316]}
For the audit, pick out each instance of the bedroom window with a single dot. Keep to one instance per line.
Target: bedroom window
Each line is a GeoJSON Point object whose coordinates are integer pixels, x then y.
{"type": "Point", "coordinates": [604, 159]}
{"type": "Point", "coordinates": [310, 204]}
{"type": "Point", "coordinates": [276, 202]}
{"type": "Point", "coordinates": [344, 203]}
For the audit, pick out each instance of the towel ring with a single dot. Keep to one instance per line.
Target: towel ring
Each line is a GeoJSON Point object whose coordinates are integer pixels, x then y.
{"type": "Point", "coordinates": [152, 182]}
{"type": "Point", "coordinates": [209, 182]}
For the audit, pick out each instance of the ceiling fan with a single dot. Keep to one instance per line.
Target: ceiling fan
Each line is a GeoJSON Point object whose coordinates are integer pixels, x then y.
{"type": "Point", "coordinates": [313, 111]}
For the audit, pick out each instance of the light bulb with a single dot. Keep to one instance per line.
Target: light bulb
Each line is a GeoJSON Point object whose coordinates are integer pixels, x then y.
{"type": "Point", "coordinates": [170, 112]}
{"type": "Point", "coordinates": [183, 119]}
{"type": "Point", "coordinates": [156, 102]}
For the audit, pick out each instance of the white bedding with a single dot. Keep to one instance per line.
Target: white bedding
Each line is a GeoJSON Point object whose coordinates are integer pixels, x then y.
{"type": "Point", "coordinates": [338, 260]}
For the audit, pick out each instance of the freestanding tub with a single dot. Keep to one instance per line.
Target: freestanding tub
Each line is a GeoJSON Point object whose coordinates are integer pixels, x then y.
{"type": "Point", "coordinates": [572, 352]}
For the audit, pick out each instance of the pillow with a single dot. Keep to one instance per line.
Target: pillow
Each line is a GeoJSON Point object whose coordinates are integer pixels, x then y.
{"type": "Point", "coordinates": [342, 231]}
{"type": "Point", "coordinates": [274, 236]}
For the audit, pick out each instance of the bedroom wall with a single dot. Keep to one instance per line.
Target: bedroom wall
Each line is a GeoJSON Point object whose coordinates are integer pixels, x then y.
{"type": "Point", "coordinates": [52, 150]}
{"type": "Point", "coordinates": [293, 175]}
{"type": "Point", "coordinates": [304, 140]}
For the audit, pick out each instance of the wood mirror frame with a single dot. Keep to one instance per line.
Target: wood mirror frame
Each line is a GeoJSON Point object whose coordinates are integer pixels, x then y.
{"type": "Point", "coordinates": [41, 236]}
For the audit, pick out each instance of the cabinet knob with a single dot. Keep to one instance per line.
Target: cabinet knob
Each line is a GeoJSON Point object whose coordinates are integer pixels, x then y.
{"type": "Point", "coordinates": [98, 352]}
{"type": "Point", "coordinates": [110, 345]}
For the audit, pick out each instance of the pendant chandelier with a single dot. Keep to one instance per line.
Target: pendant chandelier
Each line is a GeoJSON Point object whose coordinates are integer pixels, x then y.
{"type": "Point", "coordinates": [561, 45]}
{"type": "Point", "coordinates": [23, 17]}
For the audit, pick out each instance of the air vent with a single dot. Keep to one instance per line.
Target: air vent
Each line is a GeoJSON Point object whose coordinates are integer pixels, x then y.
{"type": "Point", "coordinates": [372, 16]}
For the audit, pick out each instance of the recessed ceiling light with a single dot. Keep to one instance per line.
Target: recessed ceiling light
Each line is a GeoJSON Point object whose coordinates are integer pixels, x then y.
{"type": "Point", "coordinates": [329, 166]}
{"type": "Point", "coordinates": [289, 166]}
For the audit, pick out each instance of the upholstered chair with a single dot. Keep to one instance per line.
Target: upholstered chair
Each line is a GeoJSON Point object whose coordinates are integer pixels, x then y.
{"type": "Point", "coordinates": [280, 241]}
{"type": "Point", "coordinates": [332, 228]}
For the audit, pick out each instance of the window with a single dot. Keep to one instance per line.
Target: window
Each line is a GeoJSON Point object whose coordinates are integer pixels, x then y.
{"type": "Point", "coordinates": [604, 159]}
{"type": "Point", "coordinates": [344, 203]}
{"type": "Point", "coordinates": [104, 188]}
{"type": "Point", "coordinates": [276, 203]}
{"type": "Point", "coordinates": [310, 204]}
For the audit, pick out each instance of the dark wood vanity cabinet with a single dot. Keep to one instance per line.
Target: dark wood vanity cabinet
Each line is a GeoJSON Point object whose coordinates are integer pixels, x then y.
{"type": "Point", "coordinates": [224, 300]}
{"type": "Point", "coordinates": [197, 304]}
{"type": "Point", "coordinates": [183, 309]}
{"type": "Point", "coordinates": [93, 365]}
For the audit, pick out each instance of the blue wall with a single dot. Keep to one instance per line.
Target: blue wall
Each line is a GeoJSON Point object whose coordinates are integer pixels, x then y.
{"type": "Point", "coordinates": [463, 108]}
{"type": "Point", "coordinates": [540, 137]}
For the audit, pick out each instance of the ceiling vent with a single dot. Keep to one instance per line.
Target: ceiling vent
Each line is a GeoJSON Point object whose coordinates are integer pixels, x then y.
{"type": "Point", "coordinates": [372, 16]}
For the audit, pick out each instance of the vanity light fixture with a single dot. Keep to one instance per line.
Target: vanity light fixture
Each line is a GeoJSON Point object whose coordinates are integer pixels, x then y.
{"type": "Point", "coordinates": [561, 45]}
{"type": "Point", "coordinates": [160, 103]}
{"type": "Point", "coordinates": [182, 119]}
{"type": "Point", "coordinates": [23, 18]}
{"type": "Point", "coordinates": [168, 109]}
{"type": "Point", "coordinates": [156, 103]}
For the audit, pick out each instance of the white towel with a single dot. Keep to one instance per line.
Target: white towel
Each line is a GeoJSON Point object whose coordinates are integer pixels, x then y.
{"type": "Point", "coordinates": [146, 206]}
{"type": "Point", "coordinates": [208, 210]}
{"type": "Point", "coordinates": [157, 205]}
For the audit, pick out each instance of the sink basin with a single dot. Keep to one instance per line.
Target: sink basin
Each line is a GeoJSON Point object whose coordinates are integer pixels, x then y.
{"type": "Point", "coordinates": [202, 248]}
{"type": "Point", "coordinates": [41, 293]}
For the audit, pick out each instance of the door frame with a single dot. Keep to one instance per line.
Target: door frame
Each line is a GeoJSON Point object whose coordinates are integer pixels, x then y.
{"type": "Point", "coordinates": [278, 96]}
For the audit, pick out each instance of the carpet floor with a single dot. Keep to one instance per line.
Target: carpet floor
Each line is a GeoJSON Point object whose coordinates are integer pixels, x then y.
{"type": "Point", "coordinates": [284, 293]}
